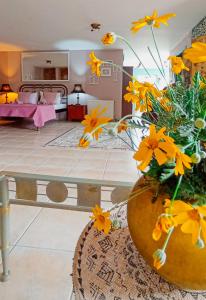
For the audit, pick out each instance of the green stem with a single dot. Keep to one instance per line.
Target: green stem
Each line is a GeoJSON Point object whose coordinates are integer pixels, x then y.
{"type": "Point", "coordinates": [176, 190]}
{"type": "Point", "coordinates": [172, 201]}
{"type": "Point", "coordinates": [163, 75]}
{"type": "Point", "coordinates": [133, 116]}
{"type": "Point", "coordinates": [153, 35]}
{"type": "Point", "coordinates": [167, 238]}
{"type": "Point", "coordinates": [128, 44]}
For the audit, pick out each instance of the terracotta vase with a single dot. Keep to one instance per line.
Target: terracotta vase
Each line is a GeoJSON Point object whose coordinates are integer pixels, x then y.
{"type": "Point", "coordinates": [186, 264]}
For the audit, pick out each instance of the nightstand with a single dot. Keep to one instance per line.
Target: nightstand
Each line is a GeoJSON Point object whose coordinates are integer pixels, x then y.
{"type": "Point", "coordinates": [76, 112]}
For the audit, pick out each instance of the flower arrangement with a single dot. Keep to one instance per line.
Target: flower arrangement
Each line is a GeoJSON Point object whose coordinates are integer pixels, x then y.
{"type": "Point", "coordinates": [172, 153]}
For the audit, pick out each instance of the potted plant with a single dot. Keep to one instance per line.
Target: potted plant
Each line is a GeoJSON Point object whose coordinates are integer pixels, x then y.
{"type": "Point", "coordinates": [167, 208]}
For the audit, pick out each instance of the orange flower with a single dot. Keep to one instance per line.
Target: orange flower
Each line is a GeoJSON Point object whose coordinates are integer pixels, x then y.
{"type": "Point", "coordinates": [139, 95]}
{"type": "Point", "coordinates": [94, 120]}
{"type": "Point", "coordinates": [163, 224]}
{"type": "Point", "coordinates": [101, 219]}
{"type": "Point", "coordinates": [122, 126]}
{"type": "Point", "coordinates": [152, 20]}
{"type": "Point", "coordinates": [177, 64]}
{"type": "Point", "coordinates": [192, 219]}
{"type": "Point", "coordinates": [83, 143]}
{"type": "Point", "coordinates": [109, 38]}
{"type": "Point", "coordinates": [157, 145]}
{"type": "Point", "coordinates": [197, 53]}
{"type": "Point", "coordinates": [95, 64]}
{"type": "Point", "coordinates": [182, 160]}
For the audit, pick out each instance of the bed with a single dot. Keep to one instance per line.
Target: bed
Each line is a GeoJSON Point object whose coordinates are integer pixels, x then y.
{"type": "Point", "coordinates": [39, 113]}
{"type": "Point", "coordinates": [59, 88]}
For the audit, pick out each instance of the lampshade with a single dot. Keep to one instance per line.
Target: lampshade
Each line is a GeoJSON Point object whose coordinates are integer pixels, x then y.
{"type": "Point", "coordinates": [5, 88]}
{"type": "Point", "coordinates": [78, 89]}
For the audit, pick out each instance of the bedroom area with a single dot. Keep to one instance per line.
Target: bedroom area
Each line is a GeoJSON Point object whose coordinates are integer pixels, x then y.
{"type": "Point", "coordinates": [102, 150]}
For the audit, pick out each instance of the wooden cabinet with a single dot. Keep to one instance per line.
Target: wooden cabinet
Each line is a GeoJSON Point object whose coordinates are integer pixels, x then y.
{"type": "Point", "coordinates": [76, 112]}
{"type": "Point", "coordinates": [126, 107]}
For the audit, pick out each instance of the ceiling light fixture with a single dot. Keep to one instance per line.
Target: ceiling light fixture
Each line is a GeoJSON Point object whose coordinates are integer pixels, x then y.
{"type": "Point", "coordinates": [95, 26]}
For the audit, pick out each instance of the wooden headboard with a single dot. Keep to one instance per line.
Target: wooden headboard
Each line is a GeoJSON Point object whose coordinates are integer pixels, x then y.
{"type": "Point", "coordinates": [60, 88]}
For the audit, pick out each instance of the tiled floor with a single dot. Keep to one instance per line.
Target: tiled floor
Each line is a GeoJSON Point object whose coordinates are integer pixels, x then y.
{"type": "Point", "coordinates": [43, 240]}
{"type": "Point", "coordinates": [24, 150]}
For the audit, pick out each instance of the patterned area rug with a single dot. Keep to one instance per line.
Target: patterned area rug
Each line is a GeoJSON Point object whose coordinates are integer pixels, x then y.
{"type": "Point", "coordinates": [72, 137]}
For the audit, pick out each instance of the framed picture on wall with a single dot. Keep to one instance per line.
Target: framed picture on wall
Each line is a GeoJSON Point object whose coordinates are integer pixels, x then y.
{"type": "Point", "coordinates": [106, 71]}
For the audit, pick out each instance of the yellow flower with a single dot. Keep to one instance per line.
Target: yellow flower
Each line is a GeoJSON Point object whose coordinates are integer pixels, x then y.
{"type": "Point", "coordinates": [159, 257]}
{"type": "Point", "coordinates": [101, 219]}
{"type": "Point", "coordinates": [202, 85]}
{"type": "Point", "coordinates": [139, 95]}
{"type": "Point", "coordinates": [109, 38]}
{"type": "Point", "coordinates": [122, 126]}
{"type": "Point", "coordinates": [92, 121]}
{"type": "Point", "coordinates": [152, 20]}
{"type": "Point", "coordinates": [84, 143]}
{"type": "Point", "coordinates": [95, 64]}
{"type": "Point", "coordinates": [157, 145]}
{"type": "Point", "coordinates": [192, 219]}
{"type": "Point", "coordinates": [177, 64]}
{"type": "Point", "coordinates": [163, 224]}
{"type": "Point", "coordinates": [197, 53]}
{"type": "Point", "coordinates": [166, 103]}
{"type": "Point", "coordinates": [182, 160]}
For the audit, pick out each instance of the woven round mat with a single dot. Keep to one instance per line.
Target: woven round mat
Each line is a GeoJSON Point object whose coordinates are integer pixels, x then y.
{"type": "Point", "coordinates": [110, 267]}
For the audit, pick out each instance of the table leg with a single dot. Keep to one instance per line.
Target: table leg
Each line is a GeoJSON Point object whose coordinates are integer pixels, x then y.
{"type": "Point", "coordinates": [4, 226]}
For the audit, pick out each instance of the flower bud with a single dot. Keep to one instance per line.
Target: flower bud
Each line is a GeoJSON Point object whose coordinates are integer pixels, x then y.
{"type": "Point", "coordinates": [203, 154]}
{"type": "Point", "coordinates": [196, 158]}
{"type": "Point", "coordinates": [113, 131]}
{"type": "Point", "coordinates": [159, 257]}
{"type": "Point", "coordinates": [109, 38]}
{"type": "Point", "coordinates": [116, 224]}
{"type": "Point", "coordinates": [200, 123]}
{"type": "Point", "coordinates": [200, 243]}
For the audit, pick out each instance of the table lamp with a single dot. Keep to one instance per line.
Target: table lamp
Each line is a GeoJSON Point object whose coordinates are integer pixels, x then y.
{"type": "Point", "coordinates": [5, 88]}
{"type": "Point", "coordinates": [78, 90]}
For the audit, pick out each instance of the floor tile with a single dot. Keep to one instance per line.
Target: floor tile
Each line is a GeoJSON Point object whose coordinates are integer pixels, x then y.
{"type": "Point", "coordinates": [38, 274]}
{"type": "Point", "coordinates": [21, 218]}
{"type": "Point", "coordinates": [55, 229]}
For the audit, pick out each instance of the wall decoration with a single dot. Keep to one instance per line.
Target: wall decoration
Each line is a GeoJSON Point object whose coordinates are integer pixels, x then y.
{"type": "Point", "coordinates": [106, 72]}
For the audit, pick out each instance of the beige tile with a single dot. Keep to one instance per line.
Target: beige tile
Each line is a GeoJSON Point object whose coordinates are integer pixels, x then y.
{"type": "Point", "coordinates": [22, 168]}
{"type": "Point", "coordinates": [89, 173]}
{"type": "Point", "coordinates": [55, 171]}
{"type": "Point", "coordinates": [21, 218]}
{"type": "Point", "coordinates": [124, 176]}
{"type": "Point", "coordinates": [55, 229]}
{"type": "Point", "coordinates": [38, 274]}
{"type": "Point", "coordinates": [95, 163]}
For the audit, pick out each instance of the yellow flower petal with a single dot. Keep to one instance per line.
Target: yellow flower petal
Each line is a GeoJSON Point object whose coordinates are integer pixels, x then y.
{"type": "Point", "coordinates": [152, 20]}
{"type": "Point", "coordinates": [180, 207]}
{"type": "Point", "coordinates": [197, 53]}
{"type": "Point", "coordinates": [191, 227]}
{"type": "Point", "coordinates": [160, 156]}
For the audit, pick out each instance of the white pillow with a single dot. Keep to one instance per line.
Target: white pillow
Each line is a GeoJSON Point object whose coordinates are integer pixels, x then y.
{"type": "Point", "coordinates": [33, 99]}
{"type": "Point", "coordinates": [28, 97]}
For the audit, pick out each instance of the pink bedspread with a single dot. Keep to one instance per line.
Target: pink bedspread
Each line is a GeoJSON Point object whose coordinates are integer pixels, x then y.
{"type": "Point", "coordinates": [39, 113]}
